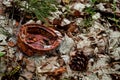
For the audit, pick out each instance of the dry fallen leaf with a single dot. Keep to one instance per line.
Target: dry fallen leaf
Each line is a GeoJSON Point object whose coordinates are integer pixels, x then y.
{"type": "Point", "coordinates": [48, 65]}
{"type": "Point", "coordinates": [28, 75]}
{"type": "Point", "coordinates": [1, 10]}
{"type": "Point", "coordinates": [76, 13]}
{"type": "Point", "coordinates": [56, 21]}
{"type": "Point", "coordinates": [31, 67]}
{"type": "Point", "coordinates": [11, 43]}
{"type": "Point", "coordinates": [57, 72]}
{"type": "Point", "coordinates": [72, 26]}
{"type": "Point", "coordinates": [65, 1]}
{"type": "Point", "coordinates": [16, 23]}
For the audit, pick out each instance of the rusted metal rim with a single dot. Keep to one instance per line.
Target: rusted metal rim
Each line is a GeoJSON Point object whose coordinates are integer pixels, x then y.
{"type": "Point", "coordinates": [36, 38]}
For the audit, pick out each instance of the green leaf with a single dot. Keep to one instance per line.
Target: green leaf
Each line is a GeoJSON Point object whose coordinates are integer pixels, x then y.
{"type": "Point", "coordinates": [2, 54]}
{"type": "Point", "coordinates": [93, 1]}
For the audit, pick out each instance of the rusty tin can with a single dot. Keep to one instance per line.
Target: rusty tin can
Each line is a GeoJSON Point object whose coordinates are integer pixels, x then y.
{"type": "Point", "coordinates": [36, 39]}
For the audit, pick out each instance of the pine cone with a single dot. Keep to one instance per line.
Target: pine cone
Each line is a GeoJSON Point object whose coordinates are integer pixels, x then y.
{"type": "Point", "coordinates": [78, 62]}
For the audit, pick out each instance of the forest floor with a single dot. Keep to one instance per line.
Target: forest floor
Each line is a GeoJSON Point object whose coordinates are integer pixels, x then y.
{"type": "Point", "coordinates": [90, 47]}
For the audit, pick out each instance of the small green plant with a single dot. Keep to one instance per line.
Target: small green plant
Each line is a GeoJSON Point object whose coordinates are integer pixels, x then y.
{"type": "Point", "coordinates": [88, 21]}
{"type": "Point", "coordinates": [40, 8]}
{"type": "Point", "coordinates": [90, 11]}
{"type": "Point", "coordinates": [93, 1]}
{"type": "Point", "coordinates": [2, 54]}
{"type": "Point", "coordinates": [114, 18]}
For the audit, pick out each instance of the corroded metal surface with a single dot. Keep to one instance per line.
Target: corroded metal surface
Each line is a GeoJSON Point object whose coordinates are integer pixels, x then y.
{"type": "Point", "coordinates": [38, 39]}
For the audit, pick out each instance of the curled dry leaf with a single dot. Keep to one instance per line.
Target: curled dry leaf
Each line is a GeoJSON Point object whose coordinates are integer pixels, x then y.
{"type": "Point", "coordinates": [56, 21]}
{"type": "Point", "coordinates": [71, 28]}
{"type": "Point", "coordinates": [11, 43]}
{"type": "Point", "coordinates": [58, 71]}
{"type": "Point", "coordinates": [76, 13]}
